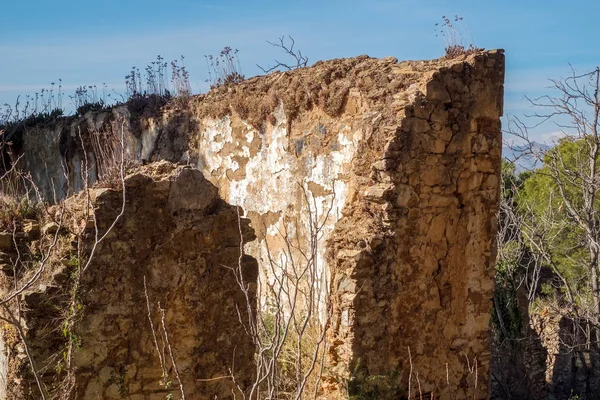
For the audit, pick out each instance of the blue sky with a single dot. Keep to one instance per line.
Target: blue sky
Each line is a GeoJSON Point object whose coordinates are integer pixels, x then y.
{"type": "Point", "coordinates": [86, 43]}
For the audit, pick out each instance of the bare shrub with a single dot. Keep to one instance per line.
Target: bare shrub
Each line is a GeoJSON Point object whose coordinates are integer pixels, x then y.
{"type": "Point", "coordinates": [456, 37]}
{"type": "Point", "coordinates": [298, 59]}
{"type": "Point", "coordinates": [33, 266]}
{"type": "Point", "coordinates": [224, 69]}
{"type": "Point", "coordinates": [288, 325]}
{"type": "Point", "coordinates": [109, 157]}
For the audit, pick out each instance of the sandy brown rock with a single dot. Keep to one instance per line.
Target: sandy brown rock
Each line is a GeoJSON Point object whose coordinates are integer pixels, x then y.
{"type": "Point", "coordinates": [406, 155]}
{"type": "Point", "coordinates": [181, 238]}
{"type": "Point", "coordinates": [412, 258]}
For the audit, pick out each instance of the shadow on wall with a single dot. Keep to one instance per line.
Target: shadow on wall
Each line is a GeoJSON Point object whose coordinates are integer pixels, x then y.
{"type": "Point", "coordinates": [169, 253]}
{"type": "Point", "coordinates": [518, 369]}
{"type": "Point", "coordinates": [576, 369]}
{"type": "Point", "coordinates": [414, 273]}
{"type": "Point", "coordinates": [175, 137]}
{"type": "Point", "coordinates": [182, 237]}
{"type": "Point", "coordinates": [544, 362]}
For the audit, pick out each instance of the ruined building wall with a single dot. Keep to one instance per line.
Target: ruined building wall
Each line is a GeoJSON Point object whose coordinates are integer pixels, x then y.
{"type": "Point", "coordinates": [173, 247]}
{"type": "Point", "coordinates": [406, 157]}
{"type": "Point", "coordinates": [414, 283]}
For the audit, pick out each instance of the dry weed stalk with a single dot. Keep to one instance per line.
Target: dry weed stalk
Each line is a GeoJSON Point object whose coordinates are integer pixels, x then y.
{"type": "Point", "coordinates": [456, 37]}
{"type": "Point", "coordinates": [166, 344]}
{"type": "Point", "coordinates": [471, 368]}
{"type": "Point", "coordinates": [9, 317]}
{"type": "Point", "coordinates": [109, 153]}
{"type": "Point", "coordinates": [300, 60]}
{"type": "Point", "coordinates": [410, 373]}
{"type": "Point", "coordinates": [287, 323]}
{"type": "Point", "coordinates": [72, 314]}
{"type": "Point", "coordinates": [24, 282]}
{"type": "Point", "coordinates": [161, 355]}
{"type": "Point", "coordinates": [165, 333]}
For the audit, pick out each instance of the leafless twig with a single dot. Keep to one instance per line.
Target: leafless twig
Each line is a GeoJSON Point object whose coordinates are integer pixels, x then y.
{"type": "Point", "coordinates": [300, 60]}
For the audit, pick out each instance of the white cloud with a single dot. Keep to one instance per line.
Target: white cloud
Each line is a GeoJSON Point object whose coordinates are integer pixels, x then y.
{"type": "Point", "coordinates": [549, 138]}
{"type": "Point", "coordinates": [34, 88]}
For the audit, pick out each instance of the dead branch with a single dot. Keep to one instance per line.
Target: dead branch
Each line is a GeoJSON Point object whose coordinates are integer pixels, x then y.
{"type": "Point", "coordinates": [171, 355]}
{"type": "Point", "coordinates": [300, 60]}
{"type": "Point", "coordinates": [285, 324]}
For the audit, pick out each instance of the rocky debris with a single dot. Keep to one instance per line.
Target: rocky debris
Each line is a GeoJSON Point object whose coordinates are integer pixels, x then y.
{"type": "Point", "coordinates": [177, 235]}
{"type": "Point", "coordinates": [50, 228]}
{"type": "Point", "coordinates": [568, 368]}
{"type": "Point", "coordinates": [379, 193]}
{"type": "Point", "coordinates": [31, 228]}
{"type": "Point", "coordinates": [6, 241]}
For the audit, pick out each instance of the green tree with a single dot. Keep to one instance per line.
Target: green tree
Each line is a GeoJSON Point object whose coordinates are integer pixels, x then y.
{"type": "Point", "coordinates": [558, 207]}
{"type": "Point", "coordinates": [509, 274]}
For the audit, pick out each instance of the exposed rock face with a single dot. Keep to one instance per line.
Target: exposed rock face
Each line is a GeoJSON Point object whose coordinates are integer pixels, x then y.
{"type": "Point", "coordinates": [570, 367]}
{"type": "Point", "coordinates": [413, 255]}
{"type": "Point", "coordinates": [549, 359]}
{"type": "Point", "coordinates": [518, 366]}
{"type": "Point", "coordinates": [399, 163]}
{"type": "Point", "coordinates": [178, 235]}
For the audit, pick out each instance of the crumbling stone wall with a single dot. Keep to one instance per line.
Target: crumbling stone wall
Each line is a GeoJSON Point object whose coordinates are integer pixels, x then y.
{"type": "Point", "coordinates": [406, 155]}
{"type": "Point", "coordinates": [414, 253]}
{"type": "Point", "coordinates": [518, 365]}
{"type": "Point", "coordinates": [182, 239]}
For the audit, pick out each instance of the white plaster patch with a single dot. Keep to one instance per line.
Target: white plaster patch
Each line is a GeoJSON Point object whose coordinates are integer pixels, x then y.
{"type": "Point", "coordinates": [273, 179]}
{"type": "Point", "coordinates": [149, 140]}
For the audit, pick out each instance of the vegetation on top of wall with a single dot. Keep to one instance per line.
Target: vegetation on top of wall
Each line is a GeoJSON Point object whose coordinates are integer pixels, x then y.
{"type": "Point", "coordinates": [456, 37]}
{"type": "Point", "coordinates": [298, 59]}
{"type": "Point", "coordinates": [86, 98]}
{"type": "Point", "coordinates": [41, 108]}
{"type": "Point", "coordinates": [224, 69]}
{"type": "Point", "coordinates": [147, 93]}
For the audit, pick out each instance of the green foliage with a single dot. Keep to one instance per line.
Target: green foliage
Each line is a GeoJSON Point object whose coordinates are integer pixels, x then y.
{"type": "Point", "coordinates": [506, 314]}
{"type": "Point", "coordinates": [576, 396]}
{"type": "Point", "coordinates": [118, 378]}
{"type": "Point", "coordinates": [544, 241]}
{"type": "Point", "coordinates": [543, 205]}
{"type": "Point", "coordinates": [13, 210]}
{"type": "Point", "coordinates": [364, 386]}
{"type": "Point", "coordinates": [28, 209]}
{"type": "Point", "coordinates": [506, 305]}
